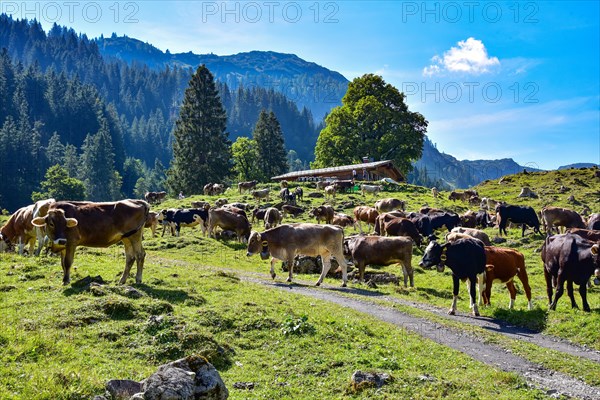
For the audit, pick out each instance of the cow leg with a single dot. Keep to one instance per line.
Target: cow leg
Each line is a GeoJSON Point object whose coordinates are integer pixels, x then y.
{"type": "Point", "coordinates": [359, 226]}
{"type": "Point", "coordinates": [326, 259]}
{"type": "Point", "coordinates": [570, 293]}
{"type": "Point", "coordinates": [273, 274]}
{"type": "Point", "coordinates": [473, 295]}
{"type": "Point", "coordinates": [549, 285]}
{"type": "Point", "coordinates": [342, 262]}
{"type": "Point", "coordinates": [583, 293]}
{"type": "Point", "coordinates": [481, 280]}
{"type": "Point", "coordinates": [455, 287]}
{"type": "Point", "coordinates": [140, 256]}
{"type": "Point", "coordinates": [290, 268]}
{"type": "Point", "coordinates": [66, 260]}
{"type": "Point", "coordinates": [129, 259]}
{"type": "Point", "coordinates": [560, 283]}
{"type": "Point", "coordinates": [522, 274]}
{"type": "Point", "coordinates": [510, 285]}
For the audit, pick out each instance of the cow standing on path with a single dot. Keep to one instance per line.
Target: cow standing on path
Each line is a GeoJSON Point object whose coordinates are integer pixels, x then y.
{"type": "Point", "coordinates": [82, 223]}
{"type": "Point", "coordinates": [286, 241]}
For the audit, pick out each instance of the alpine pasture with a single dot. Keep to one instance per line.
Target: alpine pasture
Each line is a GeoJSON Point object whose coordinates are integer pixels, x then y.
{"type": "Point", "coordinates": [65, 342]}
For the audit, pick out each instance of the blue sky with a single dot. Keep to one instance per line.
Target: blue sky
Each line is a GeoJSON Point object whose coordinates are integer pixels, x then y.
{"type": "Point", "coordinates": [494, 79]}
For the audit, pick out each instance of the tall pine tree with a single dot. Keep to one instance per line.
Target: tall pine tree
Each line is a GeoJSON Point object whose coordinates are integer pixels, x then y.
{"type": "Point", "coordinates": [271, 151]}
{"type": "Point", "coordinates": [201, 150]}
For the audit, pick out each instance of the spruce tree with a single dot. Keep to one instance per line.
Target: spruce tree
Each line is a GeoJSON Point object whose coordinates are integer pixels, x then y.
{"type": "Point", "coordinates": [271, 151]}
{"type": "Point", "coordinates": [201, 150]}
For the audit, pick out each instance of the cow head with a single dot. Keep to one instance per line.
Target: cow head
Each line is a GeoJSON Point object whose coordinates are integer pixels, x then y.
{"type": "Point", "coordinates": [257, 245]}
{"type": "Point", "coordinates": [434, 254]}
{"type": "Point", "coordinates": [595, 249]}
{"type": "Point", "coordinates": [56, 226]}
{"type": "Point", "coordinates": [5, 243]}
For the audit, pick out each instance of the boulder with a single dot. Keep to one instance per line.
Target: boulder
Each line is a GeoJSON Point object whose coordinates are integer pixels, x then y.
{"type": "Point", "coordinates": [361, 380]}
{"type": "Point", "coordinates": [315, 195]}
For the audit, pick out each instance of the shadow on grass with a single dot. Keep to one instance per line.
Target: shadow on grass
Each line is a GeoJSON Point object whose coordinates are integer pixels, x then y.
{"type": "Point", "coordinates": [520, 321]}
{"type": "Point", "coordinates": [170, 295]}
{"type": "Point", "coordinates": [442, 294]}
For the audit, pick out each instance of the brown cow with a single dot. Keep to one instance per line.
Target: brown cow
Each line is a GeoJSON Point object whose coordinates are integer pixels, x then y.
{"type": "Point", "coordinates": [385, 217]}
{"type": "Point", "coordinates": [365, 250]}
{"type": "Point", "coordinates": [258, 214]}
{"type": "Point", "coordinates": [342, 220]}
{"type": "Point", "coordinates": [230, 221]}
{"type": "Point", "coordinates": [72, 224]}
{"type": "Point", "coordinates": [155, 197]}
{"type": "Point", "coordinates": [593, 221]}
{"type": "Point", "coordinates": [469, 219]}
{"type": "Point", "coordinates": [454, 195]}
{"type": "Point", "coordinates": [389, 204]}
{"type": "Point", "coordinates": [286, 241]}
{"type": "Point", "coordinates": [365, 214]}
{"type": "Point", "coordinates": [558, 216]}
{"type": "Point", "coordinates": [476, 233]}
{"type": "Point", "coordinates": [152, 222]}
{"type": "Point", "coordinates": [323, 213]}
{"type": "Point", "coordinates": [291, 209]}
{"type": "Point", "coordinates": [330, 192]}
{"type": "Point", "coordinates": [260, 194]}
{"type": "Point", "coordinates": [587, 234]}
{"type": "Point", "coordinates": [402, 227]}
{"type": "Point", "coordinates": [435, 192]}
{"type": "Point", "coordinates": [503, 264]}
{"type": "Point", "coordinates": [272, 218]}
{"type": "Point", "coordinates": [19, 230]}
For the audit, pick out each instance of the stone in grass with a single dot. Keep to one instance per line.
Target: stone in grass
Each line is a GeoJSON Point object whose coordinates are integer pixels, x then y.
{"type": "Point", "coordinates": [244, 385]}
{"type": "Point", "coordinates": [122, 389]}
{"type": "Point", "coordinates": [361, 380]}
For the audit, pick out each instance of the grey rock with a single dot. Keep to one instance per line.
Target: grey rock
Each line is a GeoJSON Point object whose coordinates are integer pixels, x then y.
{"type": "Point", "coordinates": [122, 389]}
{"type": "Point", "coordinates": [361, 379]}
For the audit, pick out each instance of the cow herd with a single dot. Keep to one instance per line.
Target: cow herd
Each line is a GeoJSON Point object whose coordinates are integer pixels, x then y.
{"type": "Point", "coordinates": [393, 234]}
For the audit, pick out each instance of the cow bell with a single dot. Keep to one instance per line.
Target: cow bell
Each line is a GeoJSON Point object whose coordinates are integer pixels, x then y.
{"type": "Point", "coordinates": [265, 253]}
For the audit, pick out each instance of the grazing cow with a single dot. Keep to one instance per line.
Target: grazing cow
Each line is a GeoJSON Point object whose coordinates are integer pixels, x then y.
{"type": "Point", "coordinates": [454, 195]}
{"type": "Point", "coordinates": [72, 224]}
{"type": "Point", "coordinates": [370, 189]}
{"type": "Point", "coordinates": [299, 193]}
{"type": "Point", "coordinates": [323, 213]}
{"type": "Point", "coordinates": [241, 206]}
{"type": "Point", "coordinates": [504, 264]}
{"type": "Point", "coordinates": [342, 220]}
{"type": "Point", "coordinates": [272, 218]}
{"type": "Point", "coordinates": [286, 241]}
{"type": "Point", "coordinates": [474, 200]}
{"type": "Point", "coordinates": [488, 204]}
{"type": "Point", "coordinates": [435, 192]}
{"type": "Point", "coordinates": [292, 210]}
{"type": "Point", "coordinates": [518, 215]}
{"type": "Point", "coordinates": [468, 219]}
{"type": "Point", "coordinates": [201, 204]}
{"type": "Point", "coordinates": [466, 259]}
{"type": "Point", "coordinates": [527, 192]}
{"type": "Point", "coordinates": [152, 222]}
{"type": "Point", "coordinates": [228, 221]}
{"type": "Point", "coordinates": [450, 220]}
{"type": "Point", "coordinates": [330, 192]}
{"type": "Point", "coordinates": [247, 186]}
{"type": "Point", "coordinates": [594, 222]}
{"type": "Point", "coordinates": [476, 233]}
{"type": "Point", "coordinates": [284, 194]}
{"type": "Point", "coordinates": [155, 197]}
{"type": "Point", "coordinates": [258, 214]}
{"type": "Point", "coordinates": [40, 209]}
{"type": "Point", "coordinates": [482, 219]}
{"type": "Point", "coordinates": [377, 250]}
{"type": "Point", "coordinates": [343, 186]}
{"type": "Point", "coordinates": [322, 184]}
{"type": "Point", "coordinates": [569, 258]}
{"type": "Point", "coordinates": [185, 217]}
{"type": "Point", "coordinates": [402, 227]}
{"type": "Point", "coordinates": [365, 214]}
{"type": "Point", "coordinates": [389, 204]}
{"type": "Point", "coordinates": [587, 234]}
{"type": "Point", "coordinates": [19, 230]}
{"type": "Point", "coordinates": [471, 192]}
{"type": "Point", "coordinates": [422, 223]}
{"type": "Point", "coordinates": [261, 194]}
{"type": "Point", "coordinates": [208, 189]}
{"type": "Point", "coordinates": [558, 216]}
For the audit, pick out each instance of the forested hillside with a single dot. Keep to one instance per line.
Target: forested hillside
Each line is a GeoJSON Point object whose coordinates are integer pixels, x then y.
{"type": "Point", "coordinates": [58, 84]}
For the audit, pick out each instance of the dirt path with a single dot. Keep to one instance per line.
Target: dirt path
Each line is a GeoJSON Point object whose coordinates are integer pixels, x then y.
{"type": "Point", "coordinates": [551, 381]}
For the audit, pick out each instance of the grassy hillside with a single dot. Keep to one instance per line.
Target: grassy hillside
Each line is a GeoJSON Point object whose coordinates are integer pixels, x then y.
{"type": "Point", "coordinates": [65, 342]}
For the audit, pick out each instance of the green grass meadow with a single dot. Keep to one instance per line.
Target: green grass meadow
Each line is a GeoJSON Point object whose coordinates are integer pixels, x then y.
{"type": "Point", "coordinates": [65, 342]}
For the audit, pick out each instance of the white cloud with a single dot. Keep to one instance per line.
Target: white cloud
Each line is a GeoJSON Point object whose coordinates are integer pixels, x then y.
{"type": "Point", "coordinates": [469, 57]}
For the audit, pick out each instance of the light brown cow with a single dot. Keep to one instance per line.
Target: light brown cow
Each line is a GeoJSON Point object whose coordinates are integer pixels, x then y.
{"type": "Point", "coordinates": [248, 185]}
{"type": "Point", "coordinates": [435, 192]}
{"type": "Point", "coordinates": [503, 264]}
{"type": "Point", "coordinates": [228, 220]}
{"type": "Point", "coordinates": [476, 233]}
{"type": "Point", "coordinates": [261, 194]}
{"type": "Point", "coordinates": [558, 216]}
{"type": "Point", "coordinates": [389, 204]}
{"type": "Point", "coordinates": [272, 218]}
{"type": "Point", "coordinates": [40, 209]}
{"type": "Point", "coordinates": [365, 250]}
{"type": "Point", "coordinates": [19, 230]}
{"type": "Point", "coordinates": [342, 220]}
{"type": "Point", "coordinates": [81, 223]}
{"type": "Point", "coordinates": [365, 214]}
{"type": "Point", "coordinates": [286, 241]}
{"type": "Point", "coordinates": [152, 222]}
{"type": "Point", "coordinates": [323, 213]}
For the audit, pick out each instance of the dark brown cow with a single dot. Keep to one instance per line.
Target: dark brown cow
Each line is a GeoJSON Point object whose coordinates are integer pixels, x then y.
{"type": "Point", "coordinates": [389, 204]}
{"type": "Point", "coordinates": [272, 218]}
{"type": "Point", "coordinates": [469, 219]}
{"type": "Point", "coordinates": [569, 258]}
{"type": "Point", "coordinates": [19, 230]}
{"type": "Point", "coordinates": [292, 210]}
{"type": "Point", "coordinates": [365, 250]}
{"type": "Point", "coordinates": [365, 214]}
{"type": "Point", "coordinates": [72, 224]}
{"type": "Point", "coordinates": [454, 195]}
{"type": "Point", "coordinates": [228, 221]}
{"type": "Point", "coordinates": [155, 197]}
{"type": "Point", "coordinates": [258, 214]}
{"type": "Point", "coordinates": [286, 241]}
{"type": "Point", "coordinates": [323, 213]}
{"type": "Point", "coordinates": [558, 216]}
{"type": "Point", "coordinates": [503, 264]}
{"type": "Point", "coordinates": [594, 221]}
{"type": "Point", "coordinates": [430, 210]}
{"type": "Point", "coordinates": [402, 227]}
{"type": "Point", "coordinates": [342, 220]}
{"type": "Point", "coordinates": [587, 234]}
{"type": "Point", "coordinates": [385, 217]}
